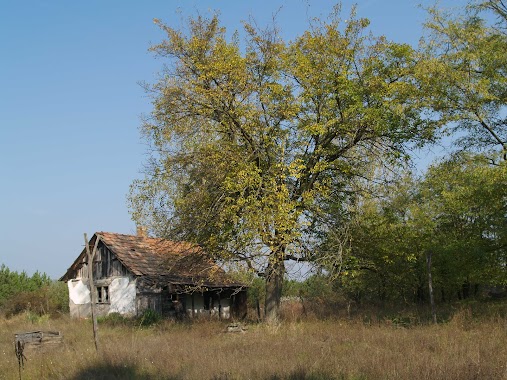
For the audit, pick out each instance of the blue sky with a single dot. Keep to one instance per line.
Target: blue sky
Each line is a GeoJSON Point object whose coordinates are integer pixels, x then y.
{"type": "Point", "coordinates": [70, 108]}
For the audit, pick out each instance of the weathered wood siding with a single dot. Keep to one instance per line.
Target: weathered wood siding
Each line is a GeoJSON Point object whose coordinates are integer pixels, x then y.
{"type": "Point", "coordinates": [145, 301]}
{"type": "Point", "coordinates": [38, 338]}
{"type": "Point", "coordinates": [105, 264]}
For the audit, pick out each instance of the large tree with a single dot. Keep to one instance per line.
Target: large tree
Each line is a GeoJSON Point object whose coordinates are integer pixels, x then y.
{"type": "Point", "coordinates": [250, 141]}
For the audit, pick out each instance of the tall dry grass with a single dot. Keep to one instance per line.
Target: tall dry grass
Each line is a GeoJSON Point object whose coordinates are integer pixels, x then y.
{"type": "Point", "coordinates": [461, 349]}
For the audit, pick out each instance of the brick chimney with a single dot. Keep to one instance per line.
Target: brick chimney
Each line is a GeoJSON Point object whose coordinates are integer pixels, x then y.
{"type": "Point", "coordinates": [142, 231]}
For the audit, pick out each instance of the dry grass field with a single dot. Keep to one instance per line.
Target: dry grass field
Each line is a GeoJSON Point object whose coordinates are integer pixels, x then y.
{"type": "Point", "coordinates": [461, 349]}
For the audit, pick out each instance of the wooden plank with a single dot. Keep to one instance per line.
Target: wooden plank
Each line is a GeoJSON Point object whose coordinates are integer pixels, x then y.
{"type": "Point", "coordinates": [38, 338]}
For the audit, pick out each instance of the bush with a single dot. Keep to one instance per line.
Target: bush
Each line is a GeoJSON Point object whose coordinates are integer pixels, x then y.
{"type": "Point", "coordinates": [50, 299]}
{"type": "Point", "coordinates": [114, 319]}
{"type": "Point", "coordinates": [148, 318]}
{"type": "Point", "coordinates": [33, 301]}
{"type": "Point", "coordinates": [58, 295]}
{"type": "Point", "coordinates": [37, 293]}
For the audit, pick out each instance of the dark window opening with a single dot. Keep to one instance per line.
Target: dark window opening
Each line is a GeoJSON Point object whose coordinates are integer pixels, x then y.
{"type": "Point", "coordinates": [102, 294]}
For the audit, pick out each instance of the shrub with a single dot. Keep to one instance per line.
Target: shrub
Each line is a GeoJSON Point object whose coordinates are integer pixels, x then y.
{"type": "Point", "coordinates": [50, 299]}
{"type": "Point", "coordinates": [58, 295]}
{"type": "Point", "coordinates": [114, 319]}
{"type": "Point", "coordinates": [148, 318]}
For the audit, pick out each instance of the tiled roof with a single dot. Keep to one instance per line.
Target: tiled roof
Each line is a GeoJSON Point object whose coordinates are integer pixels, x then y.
{"type": "Point", "coordinates": [156, 260]}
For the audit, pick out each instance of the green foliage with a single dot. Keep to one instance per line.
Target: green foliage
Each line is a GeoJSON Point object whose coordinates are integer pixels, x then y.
{"type": "Point", "coordinates": [249, 142]}
{"type": "Point", "coordinates": [456, 211]}
{"type": "Point", "coordinates": [114, 319]}
{"type": "Point", "coordinates": [36, 318]}
{"type": "Point", "coordinates": [256, 292]}
{"type": "Point", "coordinates": [37, 293]}
{"type": "Point", "coordinates": [14, 282]}
{"type": "Point", "coordinates": [50, 299]}
{"type": "Point", "coordinates": [463, 73]}
{"type": "Point", "coordinates": [467, 196]}
{"type": "Point", "coordinates": [316, 287]}
{"type": "Point", "coordinates": [148, 318]}
{"type": "Point", "coordinates": [58, 295]}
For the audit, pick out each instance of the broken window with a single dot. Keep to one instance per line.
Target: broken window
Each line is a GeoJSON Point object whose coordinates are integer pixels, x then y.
{"type": "Point", "coordinates": [102, 294]}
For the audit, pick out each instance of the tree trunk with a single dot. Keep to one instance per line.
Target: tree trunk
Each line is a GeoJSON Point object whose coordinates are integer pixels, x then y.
{"type": "Point", "coordinates": [274, 281]}
{"type": "Point", "coordinates": [430, 287]}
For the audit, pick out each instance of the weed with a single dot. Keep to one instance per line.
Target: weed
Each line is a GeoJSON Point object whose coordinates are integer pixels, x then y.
{"type": "Point", "coordinates": [114, 319]}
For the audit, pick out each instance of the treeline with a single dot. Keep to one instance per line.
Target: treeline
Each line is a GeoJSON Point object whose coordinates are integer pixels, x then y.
{"type": "Point", "coordinates": [450, 224]}
{"type": "Point", "coordinates": [38, 294]}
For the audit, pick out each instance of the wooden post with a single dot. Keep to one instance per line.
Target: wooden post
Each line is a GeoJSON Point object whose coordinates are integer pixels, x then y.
{"type": "Point", "coordinates": [219, 306]}
{"type": "Point", "coordinates": [193, 306]}
{"type": "Point", "coordinates": [430, 286]}
{"type": "Point", "coordinates": [91, 256]}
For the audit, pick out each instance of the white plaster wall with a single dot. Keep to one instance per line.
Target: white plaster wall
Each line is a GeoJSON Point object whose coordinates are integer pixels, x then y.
{"type": "Point", "coordinates": [199, 306]}
{"type": "Point", "coordinates": [122, 296]}
{"type": "Point", "coordinates": [226, 308]}
{"type": "Point", "coordinates": [79, 311]}
{"type": "Point", "coordinates": [79, 293]}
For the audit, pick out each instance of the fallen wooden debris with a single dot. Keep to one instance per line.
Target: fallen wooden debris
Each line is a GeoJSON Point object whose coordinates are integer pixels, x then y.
{"type": "Point", "coordinates": [236, 327]}
{"type": "Point", "coordinates": [38, 338]}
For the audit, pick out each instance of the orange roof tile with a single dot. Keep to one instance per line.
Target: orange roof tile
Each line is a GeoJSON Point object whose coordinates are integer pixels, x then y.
{"type": "Point", "coordinates": [157, 260]}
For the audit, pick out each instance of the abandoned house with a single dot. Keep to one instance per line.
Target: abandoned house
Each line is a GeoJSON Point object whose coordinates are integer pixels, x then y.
{"type": "Point", "coordinates": [134, 273]}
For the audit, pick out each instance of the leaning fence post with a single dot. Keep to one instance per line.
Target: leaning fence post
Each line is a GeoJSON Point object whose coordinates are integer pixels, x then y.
{"type": "Point", "coordinates": [91, 256]}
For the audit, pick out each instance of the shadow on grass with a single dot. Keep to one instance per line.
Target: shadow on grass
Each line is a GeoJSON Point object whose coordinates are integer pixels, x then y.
{"type": "Point", "coordinates": [298, 374]}
{"type": "Point", "coordinates": [129, 372]}
{"type": "Point", "coordinates": [116, 372]}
